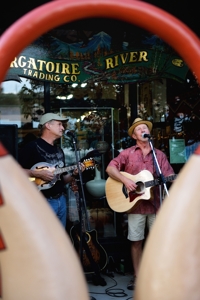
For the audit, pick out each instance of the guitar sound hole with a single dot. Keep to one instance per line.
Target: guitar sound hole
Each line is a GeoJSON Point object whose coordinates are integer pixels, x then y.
{"type": "Point", "coordinates": [140, 187]}
{"type": "Point", "coordinates": [42, 168]}
{"type": "Point", "coordinates": [87, 237]}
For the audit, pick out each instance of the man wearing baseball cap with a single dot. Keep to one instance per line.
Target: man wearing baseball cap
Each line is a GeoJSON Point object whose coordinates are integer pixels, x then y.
{"type": "Point", "coordinates": [51, 116]}
{"type": "Point", "coordinates": [133, 160]}
{"type": "Point", "coordinates": [42, 156]}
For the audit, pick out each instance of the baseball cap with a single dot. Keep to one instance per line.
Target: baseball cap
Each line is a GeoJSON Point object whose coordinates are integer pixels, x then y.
{"type": "Point", "coordinates": [50, 116]}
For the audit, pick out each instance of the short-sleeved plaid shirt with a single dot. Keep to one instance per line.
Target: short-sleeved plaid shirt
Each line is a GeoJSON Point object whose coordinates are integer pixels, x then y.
{"type": "Point", "coordinates": [132, 161]}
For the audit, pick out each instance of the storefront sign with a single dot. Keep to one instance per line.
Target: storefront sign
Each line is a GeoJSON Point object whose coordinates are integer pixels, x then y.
{"type": "Point", "coordinates": [70, 63]}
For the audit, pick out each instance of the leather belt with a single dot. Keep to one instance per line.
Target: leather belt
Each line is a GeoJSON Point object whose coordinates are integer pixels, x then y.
{"type": "Point", "coordinates": [56, 196]}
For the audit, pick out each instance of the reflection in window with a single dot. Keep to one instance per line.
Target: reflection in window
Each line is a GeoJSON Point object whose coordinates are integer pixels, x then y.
{"type": "Point", "coordinates": [21, 103]}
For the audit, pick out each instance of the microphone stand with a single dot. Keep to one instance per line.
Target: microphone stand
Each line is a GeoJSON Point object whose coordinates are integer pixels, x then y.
{"type": "Point", "coordinates": [81, 201]}
{"type": "Point", "coordinates": [80, 198]}
{"type": "Point", "coordinates": [161, 177]}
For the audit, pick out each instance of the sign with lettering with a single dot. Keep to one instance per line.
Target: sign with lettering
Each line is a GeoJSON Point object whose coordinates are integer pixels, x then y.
{"type": "Point", "coordinates": [54, 60]}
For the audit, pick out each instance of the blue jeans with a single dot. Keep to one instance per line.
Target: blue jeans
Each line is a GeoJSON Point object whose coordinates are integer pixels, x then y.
{"type": "Point", "coordinates": [59, 206]}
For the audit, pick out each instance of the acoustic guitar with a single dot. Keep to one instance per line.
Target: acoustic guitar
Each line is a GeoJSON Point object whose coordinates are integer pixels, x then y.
{"type": "Point", "coordinates": [97, 252]}
{"type": "Point", "coordinates": [93, 256]}
{"type": "Point", "coordinates": [44, 185]}
{"type": "Point", "coordinates": [121, 200]}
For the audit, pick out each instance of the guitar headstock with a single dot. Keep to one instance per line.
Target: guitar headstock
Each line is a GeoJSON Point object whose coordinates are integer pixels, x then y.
{"type": "Point", "coordinates": [89, 163]}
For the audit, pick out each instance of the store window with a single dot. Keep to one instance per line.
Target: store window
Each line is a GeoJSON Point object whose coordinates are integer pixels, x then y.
{"type": "Point", "coordinates": [21, 104]}
{"type": "Point", "coordinates": [93, 111]}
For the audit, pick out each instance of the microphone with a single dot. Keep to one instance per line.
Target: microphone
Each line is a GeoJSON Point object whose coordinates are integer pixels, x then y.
{"type": "Point", "coordinates": [146, 135]}
{"type": "Point", "coordinates": [69, 133]}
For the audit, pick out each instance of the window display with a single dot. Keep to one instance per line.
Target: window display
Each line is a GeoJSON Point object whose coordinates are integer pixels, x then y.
{"type": "Point", "coordinates": [94, 134]}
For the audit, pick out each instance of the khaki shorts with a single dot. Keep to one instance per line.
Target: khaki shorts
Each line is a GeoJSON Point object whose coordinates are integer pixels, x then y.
{"type": "Point", "coordinates": [137, 224]}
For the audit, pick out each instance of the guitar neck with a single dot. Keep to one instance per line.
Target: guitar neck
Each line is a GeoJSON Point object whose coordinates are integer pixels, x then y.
{"type": "Point", "coordinates": [88, 163]}
{"type": "Point", "coordinates": [85, 224]}
{"type": "Point", "coordinates": [172, 177]}
{"type": "Point", "coordinates": [157, 181]}
{"type": "Point", "coordinates": [151, 183]}
{"type": "Point", "coordinates": [65, 169]}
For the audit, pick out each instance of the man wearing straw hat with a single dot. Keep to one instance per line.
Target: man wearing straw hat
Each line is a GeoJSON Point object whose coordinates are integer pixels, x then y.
{"type": "Point", "coordinates": [133, 160]}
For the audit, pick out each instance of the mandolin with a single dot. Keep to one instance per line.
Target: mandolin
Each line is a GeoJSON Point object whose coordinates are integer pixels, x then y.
{"type": "Point", "coordinates": [44, 185]}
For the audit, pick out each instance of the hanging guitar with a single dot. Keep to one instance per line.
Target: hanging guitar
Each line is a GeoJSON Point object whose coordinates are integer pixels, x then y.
{"type": "Point", "coordinates": [122, 200]}
{"type": "Point", "coordinates": [93, 256]}
{"type": "Point", "coordinates": [44, 185]}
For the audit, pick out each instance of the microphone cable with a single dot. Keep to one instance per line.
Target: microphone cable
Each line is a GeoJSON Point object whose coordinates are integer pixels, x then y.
{"type": "Point", "coordinates": [113, 292]}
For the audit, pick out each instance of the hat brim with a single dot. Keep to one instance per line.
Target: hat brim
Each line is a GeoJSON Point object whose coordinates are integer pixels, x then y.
{"type": "Point", "coordinates": [149, 124]}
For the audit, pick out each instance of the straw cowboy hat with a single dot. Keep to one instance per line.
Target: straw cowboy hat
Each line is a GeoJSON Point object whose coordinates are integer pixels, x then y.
{"type": "Point", "coordinates": [137, 122]}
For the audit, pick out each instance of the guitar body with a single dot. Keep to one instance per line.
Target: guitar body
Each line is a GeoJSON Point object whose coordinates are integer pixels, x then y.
{"type": "Point", "coordinates": [41, 184]}
{"type": "Point", "coordinates": [121, 200]}
{"type": "Point", "coordinates": [98, 253]}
